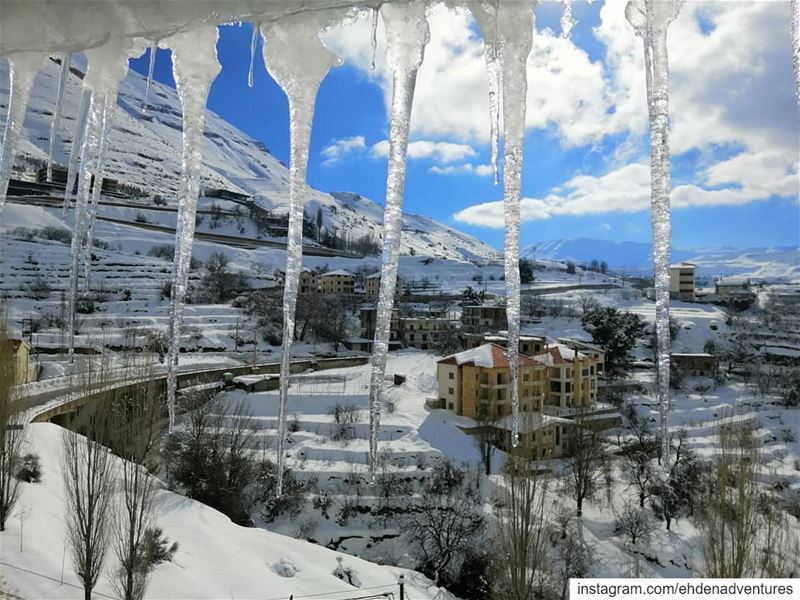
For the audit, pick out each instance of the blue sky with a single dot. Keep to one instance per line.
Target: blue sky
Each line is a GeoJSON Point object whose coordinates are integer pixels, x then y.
{"type": "Point", "coordinates": [734, 125]}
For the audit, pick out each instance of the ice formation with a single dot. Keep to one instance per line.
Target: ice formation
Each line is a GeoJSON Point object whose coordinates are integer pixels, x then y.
{"type": "Point", "coordinates": [194, 66]}
{"type": "Point", "coordinates": [515, 35]}
{"type": "Point", "coordinates": [567, 22]}
{"type": "Point", "coordinates": [407, 33]}
{"type": "Point", "coordinates": [253, 43]}
{"type": "Point", "coordinates": [485, 13]}
{"type": "Point", "coordinates": [22, 69]}
{"type": "Point", "coordinates": [374, 36]}
{"type": "Point", "coordinates": [150, 68]}
{"type": "Point", "coordinates": [795, 8]}
{"type": "Point", "coordinates": [66, 61]}
{"type": "Point", "coordinates": [650, 20]}
{"type": "Point", "coordinates": [75, 148]}
{"type": "Point", "coordinates": [297, 59]}
{"type": "Point", "coordinates": [107, 66]}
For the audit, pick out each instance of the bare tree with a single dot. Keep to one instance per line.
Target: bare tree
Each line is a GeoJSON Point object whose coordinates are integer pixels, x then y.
{"type": "Point", "coordinates": [585, 465]}
{"type": "Point", "coordinates": [730, 522]}
{"type": "Point", "coordinates": [521, 535]}
{"type": "Point", "coordinates": [11, 428]}
{"type": "Point", "coordinates": [86, 467]}
{"type": "Point", "coordinates": [634, 522]}
{"type": "Point", "coordinates": [574, 560]}
{"type": "Point", "coordinates": [486, 439]}
{"type": "Point", "coordinates": [638, 473]}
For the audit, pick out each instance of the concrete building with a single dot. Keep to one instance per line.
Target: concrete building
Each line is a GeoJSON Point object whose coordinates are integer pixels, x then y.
{"type": "Point", "coordinates": [695, 365]}
{"type": "Point", "coordinates": [337, 282]}
{"type": "Point", "coordinates": [368, 316]}
{"type": "Point", "coordinates": [528, 344]}
{"type": "Point", "coordinates": [725, 286]}
{"type": "Point", "coordinates": [25, 366]}
{"type": "Point", "coordinates": [423, 332]}
{"type": "Point", "coordinates": [541, 436]}
{"type": "Point", "coordinates": [572, 381]}
{"type": "Point", "coordinates": [484, 317]}
{"type": "Point", "coordinates": [681, 281]}
{"type": "Point", "coordinates": [309, 280]}
{"type": "Point", "coordinates": [372, 285]}
{"type": "Point", "coordinates": [595, 352]}
{"type": "Point", "coordinates": [476, 382]}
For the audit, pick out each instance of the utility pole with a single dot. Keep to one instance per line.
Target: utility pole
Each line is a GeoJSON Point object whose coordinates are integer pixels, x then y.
{"type": "Point", "coordinates": [402, 587]}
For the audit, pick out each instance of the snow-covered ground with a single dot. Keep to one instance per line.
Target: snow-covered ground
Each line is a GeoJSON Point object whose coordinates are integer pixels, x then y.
{"type": "Point", "coordinates": [216, 559]}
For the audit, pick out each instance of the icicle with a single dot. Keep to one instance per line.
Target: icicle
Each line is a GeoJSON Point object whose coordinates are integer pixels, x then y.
{"type": "Point", "coordinates": [407, 33]}
{"type": "Point", "coordinates": [296, 58]}
{"type": "Point", "coordinates": [650, 20]}
{"type": "Point", "coordinates": [374, 38]}
{"type": "Point", "coordinates": [66, 60]}
{"type": "Point", "coordinates": [22, 70]}
{"type": "Point", "coordinates": [107, 66]}
{"type": "Point", "coordinates": [515, 31]}
{"type": "Point", "coordinates": [151, 67]}
{"type": "Point", "coordinates": [75, 148]}
{"type": "Point", "coordinates": [795, 8]}
{"type": "Point", "coordinates": [486, 14]}
{"type": "Point", "coordinates": [253, 44]}
{"type": "Point", "coordinates": [567, 22]}
{"type": "Point", "coordinates": [108, 111]}
{"type": "Point", "coordinates": [194, 66]}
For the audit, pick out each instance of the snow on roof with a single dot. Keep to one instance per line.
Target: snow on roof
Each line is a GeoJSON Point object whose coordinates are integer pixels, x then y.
{"type": "Point", "coordinates": [694, 354]}
{"type": "Point", "coordinates": [488, 356]}
{"type": "Point", "coordinates": [529, 422]}
{"type": "Point", "coordinates": [502, 335]}
{"type": "Point", "coordinates": [579, 343]}
{"type": "Point", "coordinates": [341, 272]}
{"type": "Point", "coordinates": [733, 281]}
{"type": "Point", "coordinates": [684, 265]}
{"type": "Point", "coordinates": [558, 354]}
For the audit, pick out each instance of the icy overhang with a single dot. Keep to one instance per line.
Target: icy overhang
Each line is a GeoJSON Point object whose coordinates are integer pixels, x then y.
{"type": "Point", "coordinates": [74, 25]}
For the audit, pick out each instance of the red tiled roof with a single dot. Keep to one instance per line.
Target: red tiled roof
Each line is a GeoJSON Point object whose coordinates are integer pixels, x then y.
{"type": "Point", "coordinates": [499, 358]}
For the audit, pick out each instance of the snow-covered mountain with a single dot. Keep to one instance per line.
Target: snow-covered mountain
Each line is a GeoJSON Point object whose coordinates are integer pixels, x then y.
{"type": "Point", "coordinates": [636, 257]}
{"type": "Point", "coordinates": [145, 151]}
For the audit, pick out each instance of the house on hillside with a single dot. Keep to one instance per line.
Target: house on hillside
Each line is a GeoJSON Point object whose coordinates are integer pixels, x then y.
{"type": "Point", "coordinates": [695, 365]}
{"type": "Point", "coordinates": [595, 352]}
{"type": "Point", "coordinates": [528, 344]}
{"type": "Point", "coordinates": [337, 282]}
{"type": "Point", "coordinates": [572, 378]}
{"type": "Point", "coordinates": [368, 316]}
{"type": "Point", "coordinates": [26, 368]}
{"type": "Point", "coordinates": [423, 332]}
{"type": "Point", "coordinates": [681, 281]}
{"type": "Point", "coordinates": [725, 286]}
{"type": "Point", "coordinates": [475, 382]}
{"type": "Point", "coordinates": [484, 317]}
{"type": "Point", "coordinates": [541, 436]}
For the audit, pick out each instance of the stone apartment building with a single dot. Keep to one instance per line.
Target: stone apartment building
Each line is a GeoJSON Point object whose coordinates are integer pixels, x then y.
{"type": "Point", "coordinates": [725, 286]}
{"type": "Point", "coordinates": [595, 352]}
{"type": "Point", "coordinates": [337, 282]}
{"type": "Point", "coordinates": [698, 364]}
{"type": "Point", "coordinates": [681, 281]}
{"type": "Point", "coordinates": [484, 317]}
{"type": "Point", "coordinates": [541, 436]}
{"type": "Point", "coordinates": [475, 382]}
{"type": "Point", "coordinates": [528, 344]}
{"type": "Point", "coordinates": [572, 378]}
{"type": "Point", "coordinates": [309, 280]}
{"type": "Point", "coordinates": [372, 285]}
{"type": "Point", "coordinates": [423, 332]}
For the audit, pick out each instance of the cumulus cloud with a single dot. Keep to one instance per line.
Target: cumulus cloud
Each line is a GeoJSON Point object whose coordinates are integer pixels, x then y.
{"type": "Point", "coordinates": [443, 152]}
{"type": "Point", "coordinates": [340, 148]}
{"type": "Point", "coordinates": [466, 168]}
{"type": "Point", "coordinates": [627, 190]}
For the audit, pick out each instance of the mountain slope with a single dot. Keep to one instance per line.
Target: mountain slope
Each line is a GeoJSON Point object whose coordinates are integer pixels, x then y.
{"type": "Point", "coordinates": [636, 257]}
{"type": "Point", "coordinates": [145, 151]}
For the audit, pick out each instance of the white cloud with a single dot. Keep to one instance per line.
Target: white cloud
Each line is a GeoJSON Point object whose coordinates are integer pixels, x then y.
{"type": "Point", "coordinates": [443, 152]}
{"type": "Point", "coordinates": [466, 168]}
{"type": "Point", "coordinates": [627, 189]}
{"type": "Point", "coordinates": [341, 148]}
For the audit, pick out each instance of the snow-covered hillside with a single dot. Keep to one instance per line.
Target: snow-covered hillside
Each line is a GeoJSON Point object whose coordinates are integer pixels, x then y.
{"type": "Point", "coordinates": [781, 263]}
{"type": "Point", "coordinates": [145, 151]}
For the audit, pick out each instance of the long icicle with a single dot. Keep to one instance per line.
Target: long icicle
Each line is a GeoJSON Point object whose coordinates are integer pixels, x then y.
{"type": "Point", "coordinates": [108, 111]}
{"type": "Point", "coordinates": [22, 70]}
{"type": "Point", "coordinates": [150, 69]}
{"type": "Point", "coordinates": [650, 21]}
{"type": "Point", "coordinates": [284, 43]}
{"type": "Point", "coordinates": [485, 13]}
{"type": "Point", "coordinates": [107, 66]}
{"type": "Point", "coordinates": [253, 44]}
{"type": "Point", "coordinates": [515, 29]}
{"type": "Point", "coordinates": [194, 66]}
{"type": "Point", "coordinates": [75, 147]}
{"type": "Point", "coordinates": [567, 22]}
{"type": "Point", "coordinates": [66, 61]}
{"type": "Point", "coordinates": [374, 36]}
{"type": "Point", "coordinates": [407, 34]}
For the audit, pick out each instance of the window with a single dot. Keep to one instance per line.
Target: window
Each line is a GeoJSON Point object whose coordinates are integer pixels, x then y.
{"type": "Point", "coordinates": [526, 377]}
{"type": "Point", "coordinates": [450, 405]}
{"type": "Point", "coordinates": [558, 435]}
{"type": "Point", "coordinates": [501, 394]}
{"type": "Point", "coordinates": [450, 391]}
{"type": "Point", "coordinates": [501, 379]}
{"type": "Point", "coordinates": [451, 375]}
